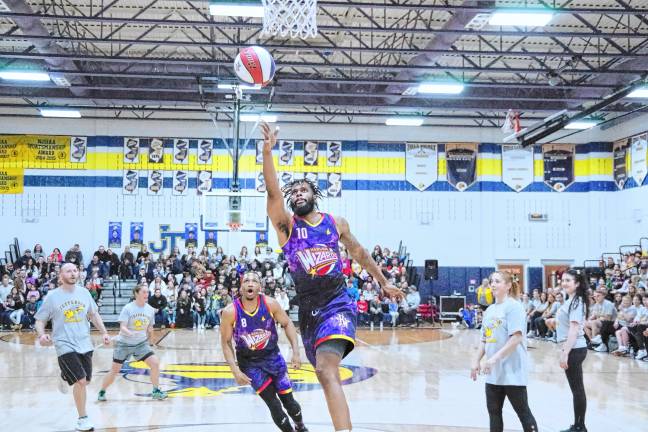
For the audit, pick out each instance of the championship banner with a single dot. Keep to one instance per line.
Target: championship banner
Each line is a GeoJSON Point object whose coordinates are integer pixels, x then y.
{"type": "Point", "coordinates": [130, 183]}
{"type": "Point", "coordinates": [421, 168]}
{"type": "Point", "coordinates": [180, 183]}
{"type": "Point", "coordinates": [47, 149]}
{"type": "Point", "coordinates": [181, 151]}
{"type": "Point", "coordinates": [137, 234]}
{"type": "Point", "coordinates": [259, 152]}
{"type": "Point", "coordinates": [311, 153]}
{"type": "Point", "coordinates": [558, 165]}
{"type": "Point", "coordinates": [78, 149]}
{"type": "Point", "coordinates": [155, 182]}
{"type": "Point", "coordinates": [11, 149]}
{"type": "Point", "coordinates": [286, 153]}
{"type": "Point", "coordinates": [259, 183]}
{"type": "Point", "coordinates": [261, 239]}
{"type": "Point", "coordinates": [517, 166]}
{"type": "Point", "coordinates": [131, 150]}
{"type": "Point", "coordinates": [285, 178]}
{"type": "Point", "coordinates": [156, 151]}
{"type": "Point", "coordinates": [334, 153]}
{"type": "Point", "coordinates": [211, 239]}
{"type": "Point", "coordinates": [638, 158]}
{"type": "Point", "coordinates": [12, 181]}
{"type": "Point", "coordinates": [620, 151]}
{"type": "Point", "coordinates": [191, 234]}
{"type": "Point", "coordinates": [204, 182]}
{"type": "Point", "coordinates": [461, 165]}
{"type": "Point", "coordinates": [205, 151]}
{"type": "Point", "coordinates": [334, 185]}
{"type": "Point", "coordinates": [114, 234]}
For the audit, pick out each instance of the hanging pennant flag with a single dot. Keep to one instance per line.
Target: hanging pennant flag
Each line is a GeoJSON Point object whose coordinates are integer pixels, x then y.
{"type": "Point", "coordinates": [78, 149]}
{"type": "Point", "coordinates": [191, 234]}
{"type": "Point", "coordinates": [620, 162]}
{"type": "Point", "coordinates": [180, 183]}
{"type": "Point", "coordinates": [286, 153]}
{"type": "Point", "coordinates": [205, 151]}
{"type": "Point", "coordinates": [137, 234]}
{"type": "Point", "coordinates": [461, 165]}
{"type": "Point", "coordinates": [517, 166]}
{"type": "Point", "coordinates": [421, 164]}
{"type": "Point", "coordinates": [204, 182]}
{"type": "Point", "coordinates": [211, 239]}
{"type": "Point", "coordinates": [155, 182]}
{"type": "Point", "coordinates": [181, 151]}
{"type": "Point", "coordinates": [638, 157]}
{"type": "Point", "coordinates": [131, 150]}
{"type": "Point", "coordinates": [114, 234]}
{"type": "Point", "coordinates": [259, 183]}
{"type": "Point", "coordinates": [334, 153]}
{"type": "Point", "coordinates": [334, 185]}
{"type": "Point", "coordinates": [558, 165]}
{"type": "Point", "coordinates": [259, 152]}
{"type": "Point", "coordinates": [285, 178]}
{"type": "Point", "coordinates": [130, 183]}
{"type": "Point", "coordinates": [311, 153]}
{"type": "Point", "coordinates": [312, 177]}
{"type": "Point", "coordinates": [156, 151]}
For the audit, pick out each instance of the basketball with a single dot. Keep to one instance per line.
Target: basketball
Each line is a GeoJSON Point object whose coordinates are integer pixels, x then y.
{"type": "Point", "coordinates": [254, 65]}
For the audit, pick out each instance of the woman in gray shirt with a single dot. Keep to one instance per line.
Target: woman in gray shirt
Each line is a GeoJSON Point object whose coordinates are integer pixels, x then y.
{"type": "Point", "coordinates": [570, 323]}
{"type": "Point", "coordinates": [502, 354]}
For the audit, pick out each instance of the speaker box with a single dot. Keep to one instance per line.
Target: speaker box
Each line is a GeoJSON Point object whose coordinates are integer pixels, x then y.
{"type": "Point", "coordinates": [431, 269]}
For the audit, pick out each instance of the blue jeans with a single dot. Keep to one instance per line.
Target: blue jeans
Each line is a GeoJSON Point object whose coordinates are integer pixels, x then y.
{"type": "Point", "coordinates": [172, 316]}
{"type": "Point", "coordinates": [213, 319]}
{"type": "Point", "coordinates": [198, 319]}
{"type": "Point", "coordinates": [161, 317]}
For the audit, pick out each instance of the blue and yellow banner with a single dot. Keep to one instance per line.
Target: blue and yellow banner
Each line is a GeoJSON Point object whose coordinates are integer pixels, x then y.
{"type": "Point", "coordinates": [11, 180]}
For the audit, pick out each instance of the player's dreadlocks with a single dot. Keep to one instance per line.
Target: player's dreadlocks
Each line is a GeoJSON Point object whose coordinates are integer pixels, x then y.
{"type": "Point", "coordinates": [287, 190]}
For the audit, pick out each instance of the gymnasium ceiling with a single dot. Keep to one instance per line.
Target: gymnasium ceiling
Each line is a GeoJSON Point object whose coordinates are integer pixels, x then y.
{"type": "Point", "coordinates": [160, 59]}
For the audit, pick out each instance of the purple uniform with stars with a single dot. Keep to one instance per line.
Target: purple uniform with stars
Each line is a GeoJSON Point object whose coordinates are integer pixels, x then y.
{"type": "Point", "coordinates": [255, 336]}
{"type": "Point", "coordinates": [326, 311]}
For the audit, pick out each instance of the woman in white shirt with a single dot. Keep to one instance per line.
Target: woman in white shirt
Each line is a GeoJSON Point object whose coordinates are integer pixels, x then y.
{"type": "Point", "coordinates": [502, 354]}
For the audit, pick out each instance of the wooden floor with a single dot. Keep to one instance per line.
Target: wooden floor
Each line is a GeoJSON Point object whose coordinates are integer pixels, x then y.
{"type": "Point", "coordinates": [414, 380]}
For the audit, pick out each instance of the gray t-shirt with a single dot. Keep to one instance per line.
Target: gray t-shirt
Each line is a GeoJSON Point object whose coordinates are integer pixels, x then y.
{"type": "Point", "coordinates": [137, 320]}
{"type": "Point", "coordinates": [605, 309]}
{"type": "Point", "coordinates": [68, 311]}
{"type": "Point", "coordinates": [566, 314]}
{"type": "Point", "coordinates": [627, 315]}
{"type": "Point", "coordinates": [502, 320]}
{"type": "Point", "coordinates": [4, 292]}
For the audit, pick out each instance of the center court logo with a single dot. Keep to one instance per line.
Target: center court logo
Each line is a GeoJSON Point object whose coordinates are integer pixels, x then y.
{"type": "Point", "coordinates": [319, 260]}
{"type": "Point", "coordinates": [215, 379]}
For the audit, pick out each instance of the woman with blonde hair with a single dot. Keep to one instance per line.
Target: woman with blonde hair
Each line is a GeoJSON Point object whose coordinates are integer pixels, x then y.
{"type": "Point", "coordinates": [502, 354]}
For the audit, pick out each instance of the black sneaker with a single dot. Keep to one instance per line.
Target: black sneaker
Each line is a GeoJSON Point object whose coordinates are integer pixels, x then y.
{"type": "Point", "coordinates": [301, 428]}
{"type": "Point", "coordinates": [574, 428]}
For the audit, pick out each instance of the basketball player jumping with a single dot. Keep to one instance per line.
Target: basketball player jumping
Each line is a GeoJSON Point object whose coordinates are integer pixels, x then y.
{"type": "Point", "coordinates": [309, 239]}
{"type": "Point", "coordinates": [251, 321]}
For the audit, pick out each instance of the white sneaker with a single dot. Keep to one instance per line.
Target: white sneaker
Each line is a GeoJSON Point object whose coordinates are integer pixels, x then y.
{"type": "Point", "coordinates": [63, 387]}
{"type": "Point", "coordinates": [194, 327]}
{"type": "Point", "coordinates": [641, 354]}
{"type": "Point", "coordinates": [531, 334]}
{"type": "Point", "coordinates": [84, 424]}
{"type": "Point", "coordinates": [601, 348]}
{"type": "Point", "coordinates": [371, 326]}
{"type": "Point", "coordinates": [597, 340]}
{"type": "Point", "coordinates": [381, 326]}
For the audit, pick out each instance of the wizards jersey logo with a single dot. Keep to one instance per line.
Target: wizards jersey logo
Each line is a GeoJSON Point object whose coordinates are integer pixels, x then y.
{"type": "Point", "coordinates": [215, 379]}
{"type": "Point", "coordinates": [317, 261]}
{"type": "Point", "coordinates": [257, 340]}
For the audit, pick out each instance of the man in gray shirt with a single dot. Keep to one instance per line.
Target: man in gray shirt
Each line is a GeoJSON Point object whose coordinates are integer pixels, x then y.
{"type": "Point", "coordinates": [69, 308]}
{"type": "Point", "coordinates": [600, 325]}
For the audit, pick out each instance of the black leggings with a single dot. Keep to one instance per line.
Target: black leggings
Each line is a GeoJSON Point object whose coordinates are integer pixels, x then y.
{"type": "Point", "coordinates": [274, 403]}
{"type": "Point", "coordinates": [517, 395]}
{"type": "Point", "coordinates": [574, 374]}
{"type": "Point", "coordinates": [638, 337]}
{"type": "Point", "coordinates": [607, 330]}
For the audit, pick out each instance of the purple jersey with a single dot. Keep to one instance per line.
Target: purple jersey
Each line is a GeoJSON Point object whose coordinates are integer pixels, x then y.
{"type": "Point", "coordinates": [314, 258]}
{"type": "Point", "coordinates": [255, 334]}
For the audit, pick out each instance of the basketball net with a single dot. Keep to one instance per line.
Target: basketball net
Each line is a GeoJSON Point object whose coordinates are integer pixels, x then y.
{"type": "Point", "coordinates": [293, 18]}
{"type": "Point", "coordinates": [234, 226]}
{"type": "Point", "coordinates": [512, 122]}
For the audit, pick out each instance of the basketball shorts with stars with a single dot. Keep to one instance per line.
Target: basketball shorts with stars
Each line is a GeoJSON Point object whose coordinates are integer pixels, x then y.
{"type": "Point", "coordinates": [265, 370]}
{"type": "Point", "coordinates": [335, 320]}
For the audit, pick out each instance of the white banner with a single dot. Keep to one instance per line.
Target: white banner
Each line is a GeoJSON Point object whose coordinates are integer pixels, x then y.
{"type": "Point", "coordinates": [517, 166]}
{"type": "Point", "coordinates": [421, 164]}
{"type": "Point", "coordinates": [639, 169]}
{"type": "Point", "coordinates": [285, 177]}
{"type": "Point", "coordinates": [131, 150]}
{"type": "Point", "coordinates": [155, 182]}
{"type": "Point", "coordinates": [180, 182]}
{"type": "Point", "coordinates": [78, 149]}
{"type": "Point", "coordinates": [156, 151]}
{"type": "Point", "coordinates": [181, 151]}
{"type": "Point", "coordinates": [130, 183]}
{"type": "Point", "coordinates": [204, 182]}
{"type": "Point", "coordinates": [259, 183]}
{"type": "Point", "coordinates": [205, 151]}
{"type": "Point", "coordinates": [286, 153]}
{"type": "Point", "coordinates": [334, 185]}
{"type": "Point", "coordinates": [334, 153]}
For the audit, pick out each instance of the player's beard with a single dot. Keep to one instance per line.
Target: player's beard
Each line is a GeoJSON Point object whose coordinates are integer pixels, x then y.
{"type": "Point", "coordinates": [304, 209]}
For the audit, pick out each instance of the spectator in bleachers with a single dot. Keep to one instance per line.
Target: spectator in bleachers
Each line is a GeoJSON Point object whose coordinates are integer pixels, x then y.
{"type": "Point", "coordinates": [113, 263]}
{"type": "Point", "coordinates": [626, 315]}
{"type": "Point", "coordinates": [352, 289]}
{"type": "Point", "coordinates": [412, 302]}
{"type": "Point", "coordinates": [533, 313]}
{"type": "Point", "coordinates": [199, 311]}
{"type": "Point", "coordinates": [393, 310]}
{"type": "Point", "coordinates": [377, 254]}
{"type": "Point", "coordinates": [270, 255]}
{"type": "Point", "coordinates": [56, 255]}
{"type": "Point", "coordinates": [5, 287]}
{"type": "Point", "coordinates": [38, 251]}
{"type": "Point", "coordinates": [637, 329]}
{"type": "Point", "coordinates": [363, 312]}
{"type": "Point", "coordinates": [600, 324]}
{"type": "Point", "coordinates": [376, 315]}
{"type": "Point", "coordinates": [24, 258]}
{"type": "Point", "coordinates": [548, 313]}
{"type": "Point", "coordinates": [14, 307]}
{"type": "Point", "coordinates": [183, 310]}
{"type": "Point", "coordinates": [159, 303]}
{"type": "Point", "coordinates": [74, 255]}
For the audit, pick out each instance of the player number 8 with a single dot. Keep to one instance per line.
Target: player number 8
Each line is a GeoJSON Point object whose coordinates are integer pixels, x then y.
{"type": "Point", "coordinates": [243, 323]}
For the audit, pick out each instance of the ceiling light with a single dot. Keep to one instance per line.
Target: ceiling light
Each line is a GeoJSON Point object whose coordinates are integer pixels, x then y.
{"type": "Point", "coordinates": [521, 18]}
{"type": "Point", "coordinates": [24, 75]}
{"type": "Point", "coordinates": [581, 124]}
{"type": "Point", "coordinates": [60, 112]}
{"type": "Point", "coordinates": [440, 88]}
{"type": "Point", "coordinates": [230, 8]}
{"type": "Point", "coordinates": [640, 92]}
{"type": "Point", "coordinates": [249, 117]}
{"type": "Point", "coordinates": [232, 86]}
{"type": "Point", "coordinates": [404, 121]}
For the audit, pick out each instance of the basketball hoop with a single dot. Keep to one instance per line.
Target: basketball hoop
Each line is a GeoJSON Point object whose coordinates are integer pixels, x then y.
{"type": "Point", "coordinates": [294, 18]}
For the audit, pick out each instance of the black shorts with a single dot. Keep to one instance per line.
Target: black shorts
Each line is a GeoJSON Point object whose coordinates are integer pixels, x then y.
{"type": "Point", "coordinates": [75, 367]}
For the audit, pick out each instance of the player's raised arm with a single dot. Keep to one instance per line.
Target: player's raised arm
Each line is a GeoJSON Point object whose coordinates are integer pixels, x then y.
{"type": "Point", "coordinates": [361, 255]}
{"type": "Point", "coordinates": [276, 210]}
{"type": "Point", "coordinates": [283, 319]}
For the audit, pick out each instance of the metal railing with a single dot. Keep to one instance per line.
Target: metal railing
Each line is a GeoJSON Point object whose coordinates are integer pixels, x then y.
{"type": "Point", "coordinates": [623, 249]}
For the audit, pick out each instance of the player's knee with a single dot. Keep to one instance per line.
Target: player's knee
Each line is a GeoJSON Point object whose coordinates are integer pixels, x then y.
{"type": "Point", "coordinates": [82, 382]}
{"type": "Point", "coordinates": [153, 362]}
{"type": "Point", "coordinates": [327, 374]}
{"type": "Point", "coordinates": [291, 405]}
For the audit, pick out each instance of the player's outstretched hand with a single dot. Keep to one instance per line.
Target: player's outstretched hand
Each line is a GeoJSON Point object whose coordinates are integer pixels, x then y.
{"type": "Point", "coordinates": [390, 291]}
{"type": "Point", "coordinates": [106, 339]}
{"type": "Point", "coordinates": [295, 361]}
{"type": "Point", "coordinates": [241, 378]}
{"type": "Point", "coordinates": [269, 137]}
{"type": "Point", "coordinates": [45, 340]}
